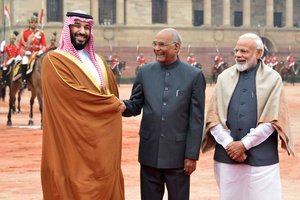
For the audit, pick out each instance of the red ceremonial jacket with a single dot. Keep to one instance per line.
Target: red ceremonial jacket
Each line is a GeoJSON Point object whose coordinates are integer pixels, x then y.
{"type": "Point", "coordinates": [32, 41]}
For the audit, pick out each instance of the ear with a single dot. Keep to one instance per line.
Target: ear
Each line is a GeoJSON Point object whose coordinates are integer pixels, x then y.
{"type": "Point", "coordinates": [259, 53]}
{"type": "Point", "coordinates": [177, 46]}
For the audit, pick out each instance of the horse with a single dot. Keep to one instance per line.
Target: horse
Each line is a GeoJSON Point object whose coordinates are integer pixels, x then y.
{"type": "Point", "coordinates": [279, 66]}
{"type": "Point", "coordinates": [34, 86]}
{"type": "Point", "coordinates": [217, 71]}
{"type": "Point", "coordinates": [6, 83]}
{"type": "Point", "coordinates": [290, 73]}
{"type": "Point", "coordinates": [118, 70]}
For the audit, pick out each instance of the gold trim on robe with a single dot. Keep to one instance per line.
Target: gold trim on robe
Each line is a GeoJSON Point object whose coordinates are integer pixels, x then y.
{"type": "Point", "coordinates": [82, 133]}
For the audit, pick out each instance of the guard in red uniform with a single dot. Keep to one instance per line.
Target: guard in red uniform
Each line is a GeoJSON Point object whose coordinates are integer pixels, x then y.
{"type": "Point", "coordinates": [114, 61]}
{"type": "Point", "coordinates": [290, 61]}
{"type": "Point", "coordinates": [267, 60]}
{"type": "Point", "coordinates": [141, 60]}
{"type": "Point", "coordinates": [33, 40]}
{"type": "Point", "coordinates": [192, 60]}
{"type": "Point", "coordinates": [274, 61]}
{"type": "Point", "coordinates": [52, 42]}
{"type": "Point", "coordinates": [218, 61]}
{"type": "Point", "coordinates": [11, 51]}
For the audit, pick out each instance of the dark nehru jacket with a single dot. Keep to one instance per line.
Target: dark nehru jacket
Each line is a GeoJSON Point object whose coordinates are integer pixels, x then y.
{"type": "Point", "coordinates": [172, 98]}
{"type": "Point", "coordinates": [242, 116]}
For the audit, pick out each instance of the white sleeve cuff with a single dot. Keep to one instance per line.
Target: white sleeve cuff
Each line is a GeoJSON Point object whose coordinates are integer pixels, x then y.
{"type": "Point", "coordinates": [258, 135]}
{"type": "Point", "coordinates": [221, 135]}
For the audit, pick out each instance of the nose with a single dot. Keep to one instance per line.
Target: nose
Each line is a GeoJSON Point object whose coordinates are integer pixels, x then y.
{"type": "Point", "coordinates": [82, 29]}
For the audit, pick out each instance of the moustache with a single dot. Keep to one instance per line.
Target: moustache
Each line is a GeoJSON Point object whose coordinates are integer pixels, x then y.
{"type": "Point", "coordinates": [82, 35]}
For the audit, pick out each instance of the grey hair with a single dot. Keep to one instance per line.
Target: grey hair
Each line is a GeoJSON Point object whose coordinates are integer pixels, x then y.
{"type": "Point", "coordinates": [256, 38]}
{"type": "Point", "coordinates": [176, 36]}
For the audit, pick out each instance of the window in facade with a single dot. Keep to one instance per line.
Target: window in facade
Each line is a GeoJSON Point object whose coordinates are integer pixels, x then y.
{"type": "Point", "coordinates": [54, 11]}
{"type": "Point", "coordinates": [159, 11]}
{"type": "Point", "coordinates": [107, 12]}
{"type": "Point", "coordinates": [277, 19]}
{"type": "Point", "coordinates": [198, 13]}
{"type": "Point", "coordinates": [296, 14]}
{"type": "Point", "coordinates": [238, 18]}
{"type": "Point", "coordinates": [279, 15]}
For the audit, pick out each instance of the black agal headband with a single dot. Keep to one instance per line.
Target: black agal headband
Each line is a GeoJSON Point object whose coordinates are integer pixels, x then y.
{"type": "Point", "coordinates": [81, 15]}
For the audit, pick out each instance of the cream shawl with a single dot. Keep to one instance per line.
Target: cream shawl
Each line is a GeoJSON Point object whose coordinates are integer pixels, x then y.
{"type": "Point", "coordinates": [271, 105]}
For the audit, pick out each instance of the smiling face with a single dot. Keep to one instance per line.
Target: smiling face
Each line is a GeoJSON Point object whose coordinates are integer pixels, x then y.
{"type": "Point", "coordinates": [165, 49]}
{"type": "Point", "coordinates": [80, 34]}
{"type": "Point", "coordinates": [246, 54]}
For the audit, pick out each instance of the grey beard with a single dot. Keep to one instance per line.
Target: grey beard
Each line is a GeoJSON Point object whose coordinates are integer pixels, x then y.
{"type": "Point", "coordinates": [243, 67]}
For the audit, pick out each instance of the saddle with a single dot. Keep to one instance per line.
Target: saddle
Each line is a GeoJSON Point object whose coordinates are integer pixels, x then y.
{"type": "Point", "coordinates": [17, 70]}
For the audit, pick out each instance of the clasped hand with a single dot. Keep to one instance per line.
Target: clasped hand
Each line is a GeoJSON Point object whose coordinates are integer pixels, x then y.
{"type": "Point", "coordinates": [236, 151]}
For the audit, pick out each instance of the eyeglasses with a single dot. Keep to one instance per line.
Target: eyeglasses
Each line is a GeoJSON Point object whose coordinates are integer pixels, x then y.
{"type": "Point", "coordinates": [161, 44]}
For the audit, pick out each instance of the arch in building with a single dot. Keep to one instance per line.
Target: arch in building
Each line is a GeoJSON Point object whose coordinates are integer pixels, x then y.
{"type": "Point", "coordinates": [270, 44]}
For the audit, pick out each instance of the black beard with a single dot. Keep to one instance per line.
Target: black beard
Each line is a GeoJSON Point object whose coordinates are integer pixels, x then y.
{"type": "Point", "coordinates": [78, 46]}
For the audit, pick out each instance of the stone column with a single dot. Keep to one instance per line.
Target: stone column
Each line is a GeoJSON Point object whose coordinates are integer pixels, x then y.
{"type": "Point", "coordinates": [226, 12]}
{"type": "Point", "coordinates": [289, 13]}
{"type": "Point", "coordinates": [207, 12]}
{"type": "Point", "coordinates": [246, 13]}
{"type": "Point", "coordinates": [2, 18]}
{"type": "Point", "coordinates": [94, 9]}
{"type": "Point", "coordinates": [120, 12]}
{"type": "Point", "coordinates": [270, 13]}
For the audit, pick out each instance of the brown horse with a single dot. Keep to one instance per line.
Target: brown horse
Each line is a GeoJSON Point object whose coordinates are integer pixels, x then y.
{"type": "Point", "coordinates": [289, 74]}
{"type": "Point", "coordinates": [279, 66]}
{"type": "Point", "coordinates": [217, 71]}
{"type": "Point", "coordinates": [33, 84]}
{"type": "Point", "coordinates": [6, 83]}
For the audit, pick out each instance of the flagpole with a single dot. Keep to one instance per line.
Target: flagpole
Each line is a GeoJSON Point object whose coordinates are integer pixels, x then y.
{"type": "Point", "coordinates": [42, 14]}
{"type": "Point", "coordinates": [4, 20]}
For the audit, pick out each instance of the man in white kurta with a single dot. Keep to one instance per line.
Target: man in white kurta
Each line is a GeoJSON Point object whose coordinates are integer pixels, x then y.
{"type": "Point", "coordinates": [247, 113]}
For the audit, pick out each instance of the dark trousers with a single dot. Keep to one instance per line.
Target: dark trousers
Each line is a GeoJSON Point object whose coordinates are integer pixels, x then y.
{"type": "Point", "coordinates": [153, 182]}
{"type": "Point", "coordinates": [23, 70]}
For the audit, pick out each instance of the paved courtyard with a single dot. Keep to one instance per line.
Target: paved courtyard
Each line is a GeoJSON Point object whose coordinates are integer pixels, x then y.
{"type": "Point", "coordinates": [20, 155]}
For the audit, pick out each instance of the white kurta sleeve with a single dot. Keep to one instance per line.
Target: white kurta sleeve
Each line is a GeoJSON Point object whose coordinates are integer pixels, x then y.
{"type": "Point", "coordinates": [257, 135]}
{"type": "Point", "coordinates": [221, 135]}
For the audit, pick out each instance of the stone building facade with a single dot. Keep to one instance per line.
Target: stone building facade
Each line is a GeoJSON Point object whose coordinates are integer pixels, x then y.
{"type": "Point", "coordinates": [126, 27]}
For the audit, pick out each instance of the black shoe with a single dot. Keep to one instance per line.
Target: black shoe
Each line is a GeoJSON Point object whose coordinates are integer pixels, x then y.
{"type": "Point", "coordinates": [3, 84]}
{"type": "Point", "coordinates": [24, 85]}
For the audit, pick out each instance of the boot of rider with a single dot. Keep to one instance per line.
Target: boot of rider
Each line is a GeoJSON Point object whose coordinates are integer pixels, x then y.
{"type": "Point", "coordinates": [23, 70]}
{"type": "Point", "coordinates": [4, 78]}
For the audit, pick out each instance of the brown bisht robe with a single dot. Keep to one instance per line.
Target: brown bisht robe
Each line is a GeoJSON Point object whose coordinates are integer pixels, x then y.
{"type": "Point", "coordinates": [82, 132]}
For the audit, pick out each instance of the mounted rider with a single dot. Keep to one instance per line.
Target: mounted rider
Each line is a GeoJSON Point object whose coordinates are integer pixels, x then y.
{"type": "Point", "coordinates": [291, 63]}
{"type": "Point", "coordinates": [114, 61]}
{"type": "Point", "coordinates": [192, 60]}
{"type": "Point", "coordinates": [219, 61]}
{"type": "Point", "coordinates": [52, 42]}
{"type": "Point", "coordinates": [141, 60]}
{"type": "Point", "coordinates": [267, 60]}
{"type": "Point", "coordinates": [274, 61]}
{"type": "Point", "coordinates": [33, 41]}
{"type": "Point", "coordinates": [11, 51]}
